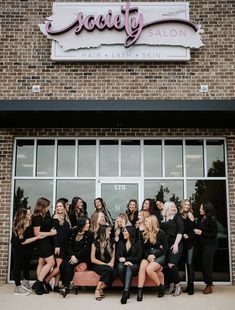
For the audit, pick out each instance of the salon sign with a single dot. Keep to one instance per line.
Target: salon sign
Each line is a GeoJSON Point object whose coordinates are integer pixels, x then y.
{"type": "Point", "coordinates": [131, 31]}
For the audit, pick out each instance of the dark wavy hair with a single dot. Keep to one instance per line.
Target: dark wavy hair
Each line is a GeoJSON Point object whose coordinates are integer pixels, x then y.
{"type": "Point", "coordinates": [81, 223]}
{"type": "Point", "coordinates": [208, 209]}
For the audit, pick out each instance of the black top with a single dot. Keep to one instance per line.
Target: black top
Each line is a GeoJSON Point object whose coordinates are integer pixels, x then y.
{"type": "Point", "coordinates": [106, 258]}
{"type": "Point", "coordinates": [209, 229]}
{"type": "Point", "coordinates": [45, 222]}
{"type": "Point", "coordinates": [189, 230]}
{"type": "Point", "coordinates": [74, 216]}
{"type": "Point", "coordinates": [82, 248]}
{"type": "Point", "coordinates": [16, 242]}
{"type": "Point", "coordinates": [133, 255]}
{"type": "Point", "coordinates": [157, 249]}
{"type": "Point", "coordinates": [63, 232]}
{"type": "Point", "coordinates": [172, 228]}
{"type": "Point", "coordinates": [158, 214]}
{"type": "Point", "coordinates": [133, 218]}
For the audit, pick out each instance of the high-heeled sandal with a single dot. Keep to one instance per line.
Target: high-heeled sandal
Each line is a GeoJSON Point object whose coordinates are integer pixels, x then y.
{"type": "Point", "coordinates": [97, 294]}
{"type": "Point", "coordinates": [102, 293]}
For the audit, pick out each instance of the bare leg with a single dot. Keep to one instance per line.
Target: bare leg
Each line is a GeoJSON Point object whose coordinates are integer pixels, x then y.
{"type": "Point", "coordinates": [151, 270]}
{"type": "Point", "coordinates": [46, 268]}
{"type": "Point", "coordinates": [142, 272]}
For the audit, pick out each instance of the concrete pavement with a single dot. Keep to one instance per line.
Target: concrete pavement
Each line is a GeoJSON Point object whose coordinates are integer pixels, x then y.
{"type": "Point", "coordinates": [223, 298]}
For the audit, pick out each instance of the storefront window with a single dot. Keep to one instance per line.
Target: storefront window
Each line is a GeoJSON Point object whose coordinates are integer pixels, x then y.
{"type": "Point", "coordinates": [215, 158]}
{"type": "Point", "coordinates": [173, 158]}
{"type": "Point", "coordinates": [194, 158]}
{"type": "Point", "coordinates": [109, 158]}
{"type": "Point", "coordinates": [45, 158]}
{"type": "Point", "coordinates": [152, 158]}
{"type": "Point", "coordinates": [66, 158]}
{"type": "Point", "coordinates": [130, 158]}
{"type": "Point", "coordinates": [86, 158]}
{"type": "Point", "coordinates": [24, 157]}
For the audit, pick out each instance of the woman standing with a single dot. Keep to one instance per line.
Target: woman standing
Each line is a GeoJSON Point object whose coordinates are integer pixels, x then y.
{"type": "Point", "coordinates": [42, 223]}
{"type": "Point", "coordinates": [186, 214]}
{"type": "Point", "coordinates": [79, 249]}
{"type": "Point", "coordinates": [77, 209]}
{"type": "Point", "coordinates": [173, 226]}
{"type": "Point", "coordinates": [103, 256]}
{"type": "Point", "coordinates": [207, 235]}
{"type": "Point", "coordinates": [155, 249]}
{"type": "Point", "coordinates": [129, 255]}
{"type": "Point", "coordinates": [61, 223]}
{"type": "Point", "coordinates": [132, 211]}
{"type": "Point", "coordinates": [100, 206]}
{"type": "Point", "coordinates": [22, 247]}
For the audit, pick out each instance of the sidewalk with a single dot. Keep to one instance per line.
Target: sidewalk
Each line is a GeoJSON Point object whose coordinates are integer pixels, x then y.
{"type": "Point", "coordinates": [222, 298]}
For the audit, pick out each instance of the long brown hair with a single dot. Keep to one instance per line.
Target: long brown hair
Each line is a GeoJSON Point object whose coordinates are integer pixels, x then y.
{"type": "Point", "coordinates": [20, 222]}
{"type": "Point", "coordinates": [40, 206]}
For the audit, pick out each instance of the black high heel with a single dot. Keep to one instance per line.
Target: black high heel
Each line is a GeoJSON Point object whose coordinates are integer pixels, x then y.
{"type": "Point", "coordinates": [139, 294]}
{"type": "Point", "coordinates": [161, 291]}
{"type": "Point", "coordinates": [124, 297]}
{"type": "Point", "coordinates": [64, 291]}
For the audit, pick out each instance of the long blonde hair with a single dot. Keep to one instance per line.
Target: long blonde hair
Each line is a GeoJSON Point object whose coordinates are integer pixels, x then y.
{"type": "Point", "coordinates": [151, 229]}
{"type": "Point", "coordinates": [20, 222]}
{"type": "Point", "coordinates": [183, 213]}
{"type": "Point", "coordinates": [125, 222]}
{"type": "Point", "coordinates": [61, 217]}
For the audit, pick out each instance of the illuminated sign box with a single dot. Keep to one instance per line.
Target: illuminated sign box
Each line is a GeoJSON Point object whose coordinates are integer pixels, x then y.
{"type": "Point", "coordinates": [128, 31]}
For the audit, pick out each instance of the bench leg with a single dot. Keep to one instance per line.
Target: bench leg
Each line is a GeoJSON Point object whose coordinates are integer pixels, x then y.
{"type": "Point", "coordinates": [76, 288]}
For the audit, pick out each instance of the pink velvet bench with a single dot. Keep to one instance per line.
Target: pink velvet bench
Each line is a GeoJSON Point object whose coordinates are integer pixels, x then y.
{"type": "Point", "coordinates": [84, 277]}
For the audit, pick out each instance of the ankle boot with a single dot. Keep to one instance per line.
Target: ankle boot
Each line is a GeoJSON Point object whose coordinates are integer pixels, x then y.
{"type": "Point", "coordinates": [161, 291]}
{"type": "Point", "coordinates": [190, 289]}
{"type": "Point", "coordinates": [139, 293]}
{"type": "Point", "coordinates": [39, 288]}
{"type": "Point", "coordinates": [124, 297]}
{"type": "Point", "coordinates": [207, 289]}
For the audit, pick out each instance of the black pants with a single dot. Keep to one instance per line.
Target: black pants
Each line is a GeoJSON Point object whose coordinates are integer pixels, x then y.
{"type": "Point", "coordinates": [21, 262]}
{"type": "Point", "coordinates": [187, 259]}
{"type": "Point", "coordinates": [67, 272]}
{"type": "Point", "coordinates": [172, 273]}
{"type": "Point", "coordinates": [207, 252]}
{"type": "Point", "coordinates": [107, 273]}
{"type": "Point", "coordinates": [126, 274]}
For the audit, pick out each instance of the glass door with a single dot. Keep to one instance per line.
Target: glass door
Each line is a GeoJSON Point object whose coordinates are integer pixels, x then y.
{"type": "Point", "coordinates": [117, 194]}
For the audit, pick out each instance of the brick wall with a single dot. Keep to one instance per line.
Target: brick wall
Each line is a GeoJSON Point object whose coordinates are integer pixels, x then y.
{"type": "Point", "coordinates": [27, 61]}
{"type": "Point", "coordinates": [6, 151]}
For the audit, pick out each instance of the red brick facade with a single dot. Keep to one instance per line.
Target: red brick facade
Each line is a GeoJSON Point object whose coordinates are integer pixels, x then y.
{"type": "Point", "coordinates": [26, 62]}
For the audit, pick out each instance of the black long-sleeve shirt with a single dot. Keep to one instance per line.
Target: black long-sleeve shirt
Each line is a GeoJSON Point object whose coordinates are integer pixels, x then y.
{"type": "Point", "coordinates": [63, 233]}
{"type": "Point", "coordinates": [172, 228]}
{"type": "Point", "coordinates": [16, 241]}
{"type": "Point", "coordinates": [81, 248]}
{"type": "Point", "coordinates": [189, 230]}
{"type": "Point", "coordinates": [133, 255]}
{"type": "Point", "coordinates": [157, 249]}
{"type": "Point", "coordinates": [209, 229]}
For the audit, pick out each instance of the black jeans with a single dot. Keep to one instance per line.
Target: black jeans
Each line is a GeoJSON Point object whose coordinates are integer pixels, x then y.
{"type": "Point", "coordinates": [126, 273]}
{"type": "Point", "coordinates": [172, 273]}
{"type": "Point", "coordinates": [207, 250]}
{"type": "Point", "coordinates": [107, 273]}
{"type": "Point", "coordinates": [21, 262]}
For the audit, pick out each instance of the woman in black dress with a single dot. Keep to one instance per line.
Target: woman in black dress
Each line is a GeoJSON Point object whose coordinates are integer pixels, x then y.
{"type": "Point", "coordinates": [155, 249]}
{"type": "Point", "coordinates": [99, 205]}
{"type": "Point", "coordinates": [42, 224]}
{"type": "Point", "coordinates": [186, 214]}
{"type": "Point", "coordinates": [78, 251]}
{"type": "Point", "coordinates": [103, 257]}
{"type": "Point", "coordinates": [129, 255]}
{"type": "Point", "coordinates": [207, 236]}
{"type": "Point", "coordinates": [61, 223]}
{"type": "Point", "coordinates": [22, 247]}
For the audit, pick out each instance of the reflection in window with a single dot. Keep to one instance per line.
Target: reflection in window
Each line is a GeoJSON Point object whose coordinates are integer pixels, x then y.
{"type": "Point", "coordinates": [66, 158]}
{"type": "Point", "coordinates": [215, 191]}
{"type": "Point", "coordinates": [81, 188]}
{"type": "Point", "coordinates": [108, 158]}
{"type": "Point", "coordinates": [130, 158]}
{"type": "Point", "coordinates": [24, 157]}
{"type": "Point", "coordinates": [173, 158]}
{"type": "Point", "coordinates": [215, 158]}
{"type": "Point", "coordinates": [45, 158]}
{"type": "Point", "coordinates": [194, 158]}
{"type": "Point", "coordinates": [164, 190]}
{"type": "Point", "coordinates": [152, 158]}
{"type": "Point", "coordinates": [86, 158]}
{"type": "Point", "coordinates": [28, 191]}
